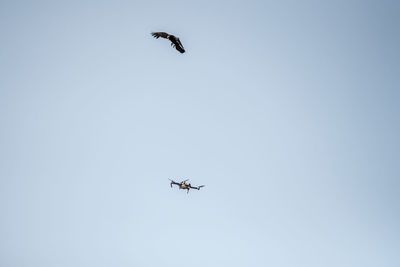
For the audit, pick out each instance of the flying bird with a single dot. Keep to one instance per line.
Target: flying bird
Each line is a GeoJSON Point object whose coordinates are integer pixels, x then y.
{"type": "Point", "coordinates": [175, 42]}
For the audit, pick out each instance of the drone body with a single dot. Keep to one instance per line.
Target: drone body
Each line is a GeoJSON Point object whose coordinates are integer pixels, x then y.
{"type": "Point", "coordinates": [185, 186]}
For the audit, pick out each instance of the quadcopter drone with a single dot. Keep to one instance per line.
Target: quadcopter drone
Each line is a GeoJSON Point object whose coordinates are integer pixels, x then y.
{"type": "Point", "coordinates": [185, 186]}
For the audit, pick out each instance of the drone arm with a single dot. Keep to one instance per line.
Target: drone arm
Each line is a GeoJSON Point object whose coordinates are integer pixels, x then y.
{"type": "Point", "coordinates": [173, 182]}
{"type": "Point", "coordinates": [197, 187]}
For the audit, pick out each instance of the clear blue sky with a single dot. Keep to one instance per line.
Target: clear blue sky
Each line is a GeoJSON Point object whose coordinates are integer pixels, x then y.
{"type": "Point", "coordinates": [288, 112]}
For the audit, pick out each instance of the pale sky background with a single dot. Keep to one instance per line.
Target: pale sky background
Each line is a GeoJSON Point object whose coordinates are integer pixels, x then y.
{"type": "Point", "coordinates": [288, 112]}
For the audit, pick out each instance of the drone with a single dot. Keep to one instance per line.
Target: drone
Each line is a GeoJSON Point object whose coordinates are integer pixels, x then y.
{"type": "Point", "coordinates": [185, 186]}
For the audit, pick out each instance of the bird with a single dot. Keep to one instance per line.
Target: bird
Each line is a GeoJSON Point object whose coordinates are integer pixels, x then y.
{"type": "Point", "coordinates": [175, 42]}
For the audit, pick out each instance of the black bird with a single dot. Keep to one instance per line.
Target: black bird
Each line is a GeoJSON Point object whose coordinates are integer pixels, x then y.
{"type": "Point", "coordinates": [175, 42]}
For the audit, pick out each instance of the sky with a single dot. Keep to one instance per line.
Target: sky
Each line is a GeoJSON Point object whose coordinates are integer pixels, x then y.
{"type": "Point", "coordinates": [287, 111]}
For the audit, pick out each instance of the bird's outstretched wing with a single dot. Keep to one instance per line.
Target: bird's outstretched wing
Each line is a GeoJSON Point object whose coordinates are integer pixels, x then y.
{"type": "Point", "coordinates": [179, 47]}
{"type": "Point", "coordinates": [179, 42]}
{"type": "Point", "coordinates": [175, 42]}
{"type": "Point", "coordinates": [160, 34]}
